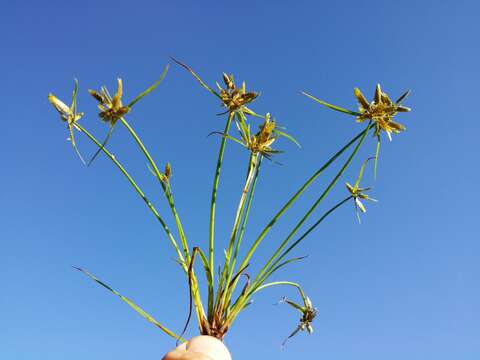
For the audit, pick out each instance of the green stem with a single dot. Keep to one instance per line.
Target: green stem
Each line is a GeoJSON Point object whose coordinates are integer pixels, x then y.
{"type": "Point", "coordinates": [244, 222]}
{"type": "Point", "coordinates": [289, 283]}
{"type": "Point", "coordinates": [273, 266]}
{"type": "Point", "coordinates": [240, 303]}
{"type": "Point", "coordinates": [227, 272]}
{"type": "Point", "coordinates": [258, 285]}
{"type": "Point", "coordinates": [235, 312]}
{"type": "Point", "coordinates": [166, 188]}
{"type": "Point", "coordinates": [168, 194]}
{"type": "Point", "coordinates": [316, 203]}
{"type": "Point", "coordinates": [298, 193]}
{"type": "Point", "coordinates": [139, 192]}
{"type": "Point", "coordinates": [211, 241]}
{"type": "Point", "coordinates": [247, 211]}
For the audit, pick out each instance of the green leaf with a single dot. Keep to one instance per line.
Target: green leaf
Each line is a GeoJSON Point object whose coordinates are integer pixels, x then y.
{"type": "Point", "coordinates": [273, 269]}
{"type": "Point", "coordinates": [289, 137]}
{"type": "Point", "coordinates": [360, 175]}
{"type": "Point", "coordinates": [150, 89]}
{"type": "Point", "coordinates": [74, 97]}
{"type": "Point", "coordinates": [189, 69]}
{"type": "Point", "coordinates": [334, 107]}
{"type": "Point", "coordinates": [75, 148]}
{"type": "Point", "coordinates": [403, 97]}
{"type": "Point", "coordinates": [226, 136]}
{"type": "Point", "coordinates": [377, 151]}
{"type": "Point", "coordinates": [206, 266]}
{"type": "Point", "coordinates": [252, 113]}
{"type": "Point", "coordinates": [102, 146]}
{"type": "Point", "coordinates": [134, 306]}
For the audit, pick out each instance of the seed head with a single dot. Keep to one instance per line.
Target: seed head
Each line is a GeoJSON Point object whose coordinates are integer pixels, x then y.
{"type": "Point", "coordinates": [111, 109]}
{"type": "Point", "coordinates": [359, 193]}
{"type": "Point", "coordinates": [69, 115]}
{"type": "Point", "coordinates": [381, 111]}
{"type": "Point", "coordinates": [234, 98]}
{"type": "Point", "coordinates": [168, 172]}
{"type": "Point", "coordinates": [262, 141]}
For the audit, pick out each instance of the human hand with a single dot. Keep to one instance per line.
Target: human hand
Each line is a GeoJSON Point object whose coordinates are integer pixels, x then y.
{"type": "Point", "coordinates": [200, 348]}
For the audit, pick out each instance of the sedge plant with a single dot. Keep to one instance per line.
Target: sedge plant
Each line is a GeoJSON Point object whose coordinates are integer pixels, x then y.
{"type": "Point", "coordinates": [230, 290]}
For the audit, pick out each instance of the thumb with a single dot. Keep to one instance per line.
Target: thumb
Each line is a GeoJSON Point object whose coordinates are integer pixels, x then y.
{"type": "Point", "coordinates": [200, 348]}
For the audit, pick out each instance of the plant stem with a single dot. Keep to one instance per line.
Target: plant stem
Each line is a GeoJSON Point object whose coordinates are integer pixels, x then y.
{"type": "Point", "coordinates": [298, 193]}
{"type": "Point", "coordinates": [257, 285]}
{"type": "Point", "coordinates": [234, 314]}
{"type": "Point", "coordinates": [139, 192]}
{"type": "Point", "coordinates": [240, 303]}
{"type": "Point", "coordinates": [168, 194]}
{"type": "Point", "coordinates": [289, 283]}
{"type": "Point", "coordinates": [211, 241]}
{"type": "Point", "coordinates": [198, 303]}
{"type": "Point", "coordinates": [228, 267]}
{"type": "Point", "coordinates": [316, 203]}
{"type": "Point", "coordinates": [247, 210]}
{"type": "Point", "coordinates": [273, 266]}
{"type": "Point", "coordinates": [244, 222]}
{"type": "Point", "coordinates": [166, 188]}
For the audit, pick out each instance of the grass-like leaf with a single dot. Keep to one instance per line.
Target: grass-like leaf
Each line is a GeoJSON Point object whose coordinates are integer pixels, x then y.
{"type": "Point", "coordinates": [403, 97]}
{"type": "Point", "coordinates": [151, 88]}
{"type": "Point", "coordinates": [227, 136]}
{"type": "Point", "coordinates": [203, 83]}
{"type": "Point", "coordinates": [288, 136]}
{"type": "Point", "coordinates": [377, 152]}
{"type": "Point", "coordinates": [334, 107]}
{"type": "Point", "coordinates": [134, 306]}
{"type": "Point", "coordinates": [104, 143]}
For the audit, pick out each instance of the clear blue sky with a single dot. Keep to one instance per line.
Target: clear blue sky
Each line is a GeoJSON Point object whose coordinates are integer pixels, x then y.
{"type": "Point", "coordinates": [403, 285]}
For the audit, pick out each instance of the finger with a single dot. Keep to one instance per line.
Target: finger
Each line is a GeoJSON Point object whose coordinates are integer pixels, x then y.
{"type": "Point", "coordinates": [185, 355]}
{"type": "Point", "coordinates": [209, 346]}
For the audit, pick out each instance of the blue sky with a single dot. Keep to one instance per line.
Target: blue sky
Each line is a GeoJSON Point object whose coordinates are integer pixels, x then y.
{"type": "Point", "coordinates": [403, 284]}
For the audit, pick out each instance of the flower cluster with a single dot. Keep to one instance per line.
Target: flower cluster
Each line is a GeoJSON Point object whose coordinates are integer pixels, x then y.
{"type": "Point", "coordinates": [381, 111]}
{"type": "Point", "coordinates": [111, 109]}
{"type": "Point", "coordinates": [358, 193]}
{"type": "Point", "coordinates": [261, 142]}
{"type": "Point", "coordinates": [69, 115]}
{"type": "Point", "coordinates": [234, 98]}
{"type": "Point", "coordinates": [308, 315]}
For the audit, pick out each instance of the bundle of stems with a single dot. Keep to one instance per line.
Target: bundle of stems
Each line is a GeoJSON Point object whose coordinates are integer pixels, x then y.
{"type": "Point", "coordinates": [227, 294]}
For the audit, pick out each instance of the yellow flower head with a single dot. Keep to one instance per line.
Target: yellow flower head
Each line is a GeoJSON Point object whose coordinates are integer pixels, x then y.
{"type": "Point", "coordinates": [359, 193]}
{"type": "Point", "coordinates": [381, 111]}
{"type": "Point", "coordinates": [68, 114]}
{"type": "Point", "coordinates": [111, 109]}
{"type": "Point", "coordinates": [234, 98]}
{"type": "Point", "coordinates": [262, 141]}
